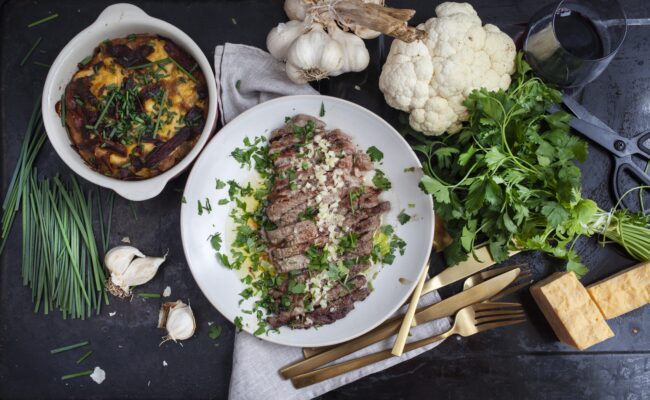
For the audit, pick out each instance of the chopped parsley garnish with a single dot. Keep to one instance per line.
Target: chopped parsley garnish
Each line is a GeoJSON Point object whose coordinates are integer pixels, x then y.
{"type": "Point", "coordinates": [375, 154]}
{"type": "Point", "coordinates": [354, 195]}
{"type": "Point", "coordinates": [238, 84]}
{"type": "Point", "coordinates": [220, 184]}
{"type": "Point", "coordinates": [403, 217]}
{"type": "Point", "coordinates": [308, 214]}
{"type": "Point", "coordinates": [385, 244]}
{"type": "Point", "coordinates": [322, 109]}
{"type": "Point", "coordinates": [215, 241]}
{"type": "Point", "coordinates": [214, 332]}
{"type": "Point", "coordinates": [221, 202]}
{"type": "Point", "coordinates": [238, 323]}
{"type": "Point", "coordinates": [380, 181]}
{"type": "Point", "coordinates": [409, 169]}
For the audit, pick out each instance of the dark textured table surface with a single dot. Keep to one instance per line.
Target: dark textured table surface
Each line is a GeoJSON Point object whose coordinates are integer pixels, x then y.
{"type": "Point", "coordinates": [523, 361]}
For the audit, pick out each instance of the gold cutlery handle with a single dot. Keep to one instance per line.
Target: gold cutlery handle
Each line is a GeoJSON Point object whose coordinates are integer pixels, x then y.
{"type": "Point", "coordinates": [404, 330]}
{"type": "Point", "coordinates": [332, 371]}
{"type": "Point", "coordinates": [382, 332]}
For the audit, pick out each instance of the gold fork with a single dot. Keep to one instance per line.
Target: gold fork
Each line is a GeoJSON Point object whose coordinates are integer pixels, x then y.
{"type": "Point", "coordinates": [522, 280]}
{"type": "Point", "coordinates": [469, 321]}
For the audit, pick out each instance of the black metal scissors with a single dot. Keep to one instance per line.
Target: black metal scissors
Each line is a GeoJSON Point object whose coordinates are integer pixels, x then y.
{"type": "Point", "coordinates": [620, 147]}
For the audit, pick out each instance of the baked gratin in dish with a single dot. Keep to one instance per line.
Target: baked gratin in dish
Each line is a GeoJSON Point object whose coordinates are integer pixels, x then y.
{"type": "Point", "coordinates": [135, 107]}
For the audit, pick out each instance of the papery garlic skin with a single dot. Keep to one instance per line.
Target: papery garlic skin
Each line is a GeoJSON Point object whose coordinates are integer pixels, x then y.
{"type": "Point", "coordinates": [280, 39]}
{"type": "Point", "coordinates": [118, 258]}
{"type": "Point", "coordinates": [178, 319]}
{"type": "Point", "coordinates": [355, 54]}
{"type": "Point", "coordinates": [313, 56]}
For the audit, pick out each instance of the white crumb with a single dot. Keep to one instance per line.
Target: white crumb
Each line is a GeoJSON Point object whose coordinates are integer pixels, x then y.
{"type": "Point", "coordinates": [126, 239]}
{"type": "Point", "coordinates": [164, 363]}
{"type": "Point", "coordinates": [148, 383]}
{"type": "Point", "coordinates": [98, 375]}
{"type": "Point", "coordinates": [112, 314]}
{"type": "Point", "coordinates": [357, 87]}
{"type": "Point", "coordinates": [167, 292]}
{"type": "Point", "coordinates": [210, 323]}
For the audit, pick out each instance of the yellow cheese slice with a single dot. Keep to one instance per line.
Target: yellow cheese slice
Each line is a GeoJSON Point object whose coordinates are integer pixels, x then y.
{"type": "Point", "coordinates": [573, 315]}
{"type": "Point", "coordinates": [623, 292]}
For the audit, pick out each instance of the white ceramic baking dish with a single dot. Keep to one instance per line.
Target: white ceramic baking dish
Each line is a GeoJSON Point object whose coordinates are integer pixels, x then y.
{"type": "Point", "coordinates": [119, 20]}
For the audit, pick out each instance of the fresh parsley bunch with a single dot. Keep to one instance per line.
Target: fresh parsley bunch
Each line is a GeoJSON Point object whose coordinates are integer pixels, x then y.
{"type": "Point", "coordinates": [509, 179]}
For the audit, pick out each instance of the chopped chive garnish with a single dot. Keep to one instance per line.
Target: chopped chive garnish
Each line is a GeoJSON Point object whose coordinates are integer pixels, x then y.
{"type": "Point", "coordinates": [31, 50]}
{"type": "Point", "coordinates": [42, 20]}
{"type": "Point", "coordinates": [149, 64]}
{"type": "Point", "coordinates": [160, 110]}
{"type": "Point", "coordinates": [86, 60]}
{"type": "Point", "coordinates": [71, 347]}
{"type": "Point", "coordinates": [101, 116]}
{"type": "Point", "coordinates": [183, 70]}
{"type": "Point", "coordinates": [149, 295]}
{"type": "Point", "coordinates": [40, 64]}
{"type": "Point", "coordinates": [322, 109]}
{"type": "Point", "coordinates": [86, 355]}
{"type": "Point", "coordinates": [77, 375]}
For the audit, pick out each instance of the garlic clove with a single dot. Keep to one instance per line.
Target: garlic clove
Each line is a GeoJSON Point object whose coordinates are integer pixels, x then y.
{"type": "Point", "coordinates": [355, 54]}
{"type": "Point", "coordinates": [140, 271]}
{"type": "Point", "coordinates": [178, 319]}
{"type": "Point", "coordinates": [295, 9]}
{"type": "Point", "coordinates": [118, 258]}
{"type": "Point", "coordinates": [282, 37]}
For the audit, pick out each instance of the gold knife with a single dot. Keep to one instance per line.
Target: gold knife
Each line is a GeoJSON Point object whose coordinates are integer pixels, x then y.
{"type": "Point", "coordinates": [462, 270]}
{"type": "Point", "coordinates": [444, 308]}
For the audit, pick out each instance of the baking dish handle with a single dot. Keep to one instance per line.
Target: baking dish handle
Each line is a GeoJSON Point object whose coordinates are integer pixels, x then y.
{"type": "Point", "coordinates": [144, 190]}
{"type": "Point", "coordinates": [120, 11]}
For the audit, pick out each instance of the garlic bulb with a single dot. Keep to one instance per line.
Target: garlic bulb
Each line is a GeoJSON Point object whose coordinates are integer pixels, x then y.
{"type": "Point", "coordinates": [355, 54]}
{"type": "Point", "coordinates": [295, 9]}
{"type": "Point", "coordinates": [282, 37]}
{"type": "Point", "coordinates": [128, 271]}
{"type": "Point", "coordinates": [178, 319]}
{"type": "Point", "coordinates": [313, 56]}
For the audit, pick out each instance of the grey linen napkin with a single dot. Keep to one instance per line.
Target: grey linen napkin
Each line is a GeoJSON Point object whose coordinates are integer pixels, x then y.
{"type": "Point", "coordinates": [256, 362]}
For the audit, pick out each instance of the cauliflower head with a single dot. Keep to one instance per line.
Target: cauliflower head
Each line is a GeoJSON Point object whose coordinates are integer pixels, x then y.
{"type": "Point", "coordinates": [431, 79]}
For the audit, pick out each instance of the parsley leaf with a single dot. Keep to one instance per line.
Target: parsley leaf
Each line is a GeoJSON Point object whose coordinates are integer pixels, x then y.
{"type": "Point", "coordinates": [214, 332]}
{"type": "Point", "coordinates": [215, 241]}
{"type": "Point", "coordinates": [380, 181]}
{"type": "Point", "coordinates": [375, 154]}
{"type": "Point", "coordinates": [403, 217]}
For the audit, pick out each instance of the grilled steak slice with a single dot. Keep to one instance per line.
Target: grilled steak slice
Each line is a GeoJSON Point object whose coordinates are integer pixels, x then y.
{"type": "Point", "coordinates": [280, 207]}
{"type": "Point", "coordinates": [300, 232]}
{"type": "Point", "coordinates": [334, 311]}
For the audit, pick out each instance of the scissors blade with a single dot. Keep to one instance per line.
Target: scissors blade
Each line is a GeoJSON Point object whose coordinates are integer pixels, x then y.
{"type": "Point", "coordinates": [582, 113]}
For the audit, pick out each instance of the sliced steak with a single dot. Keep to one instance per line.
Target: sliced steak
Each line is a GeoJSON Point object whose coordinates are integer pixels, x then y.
{"type": "Point", "coordinates": [300, 232]}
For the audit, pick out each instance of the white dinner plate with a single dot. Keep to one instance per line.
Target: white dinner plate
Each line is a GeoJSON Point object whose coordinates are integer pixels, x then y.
{"type": "Point", "coordinates": [393, 283]}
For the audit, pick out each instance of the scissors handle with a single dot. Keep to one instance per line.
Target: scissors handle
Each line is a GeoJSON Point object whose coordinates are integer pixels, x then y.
{"type": "Point", "coordinates": [627, 165]}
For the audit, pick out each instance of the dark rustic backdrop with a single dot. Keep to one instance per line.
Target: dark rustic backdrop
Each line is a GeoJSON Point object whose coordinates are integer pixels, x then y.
{"type": "Point", "coordinates": [518, 362]}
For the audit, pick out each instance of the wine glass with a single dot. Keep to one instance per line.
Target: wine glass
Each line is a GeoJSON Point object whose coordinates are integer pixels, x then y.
{"type": "Point", "coordinates": [570, 43]}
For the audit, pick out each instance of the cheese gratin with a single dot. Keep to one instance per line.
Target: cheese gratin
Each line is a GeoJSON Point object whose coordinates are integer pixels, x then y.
{"type": "Point", "coordinates": [135, 107]}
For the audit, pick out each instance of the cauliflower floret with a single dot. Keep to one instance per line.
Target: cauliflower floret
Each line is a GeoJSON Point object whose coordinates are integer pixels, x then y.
{"type": "Point", "coordinates": [430, 79]}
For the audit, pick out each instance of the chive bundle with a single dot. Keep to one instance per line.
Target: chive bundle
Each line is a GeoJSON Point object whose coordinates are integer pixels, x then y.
{"type": "Point", "coordinates": [32, 143]}
{"type": "Point", "coordinates": [60, 261]}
